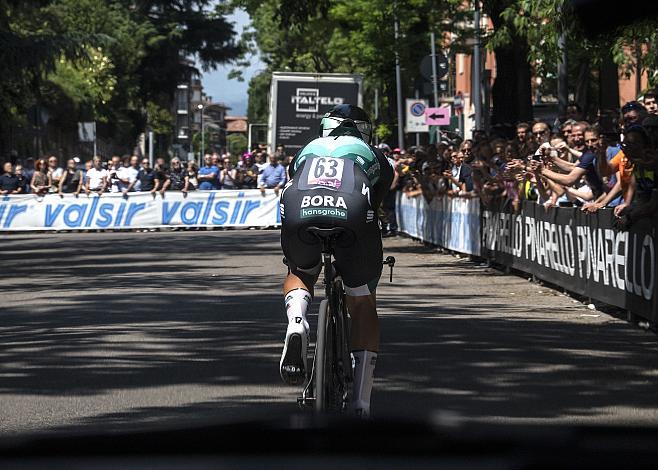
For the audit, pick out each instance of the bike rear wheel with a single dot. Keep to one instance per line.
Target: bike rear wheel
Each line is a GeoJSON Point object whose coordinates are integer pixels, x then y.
{"type": "Point", "coordinates": [321, 345]}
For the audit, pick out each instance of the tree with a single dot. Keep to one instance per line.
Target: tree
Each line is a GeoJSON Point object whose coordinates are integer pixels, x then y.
{"type": "Point", "coordinates": [343, 36]}
{"type": "Point", "coordinates": [114, 61]}
{"type": "Point", "coordinates": [237, 144]}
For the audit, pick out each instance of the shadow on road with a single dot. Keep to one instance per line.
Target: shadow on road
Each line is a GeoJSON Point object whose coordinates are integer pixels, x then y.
{"type": "Point", "coordinates": [121, 313]}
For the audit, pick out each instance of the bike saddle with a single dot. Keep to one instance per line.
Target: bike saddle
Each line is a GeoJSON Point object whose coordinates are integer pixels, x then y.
{"type": "Point", "coordinates": [325, 233]}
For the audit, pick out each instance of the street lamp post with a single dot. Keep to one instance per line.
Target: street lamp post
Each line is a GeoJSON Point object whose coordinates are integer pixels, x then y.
{"type": "Point", "coordinates": [477, 69]}
{"type": "Point", "coordinates": [203, 135]}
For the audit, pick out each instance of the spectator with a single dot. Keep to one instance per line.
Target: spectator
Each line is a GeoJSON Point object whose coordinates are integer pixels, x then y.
{"type": "Point", "coordinates": [127, 175]}
{"type": "Point", "coordinates": [633, 113]}
{"type": "Point", "coordinates": [586, 167]}
{"type": "Point", "coordinates": [23, 182]}
{"type": "Point", "coordinates": [228, 175]}
{"type": "Point", "coordinates": [280, 152]}
{"type": "Point", "coordinates": [71, 180]}
{"type": "Point", "coordinates": [650, 103]}
{"type": "Point", "coordinates": [574, 111]}
{"type": "Point", "coordinates": [28, 171]}
{"type": "Point", "coordinates": [54, 173]}
{"type": "Point", "coordinates": [523, 139]}
{"type": "Point", "coordinates": [460, 176]}
{"type": "Point", "coordinates": [273, 176]}
{"type": "Point", "coordinates": [208, 175]}
{"type": "Point", "coordinates": [541, 133]}
{"type": "Point", "coordinates": [161, 171]}
{"type": "Point", "coordinates": [248, 174]}
{"type": "Point", "coordinates": [113, 173]}
{"type": "Point", "coordinates": [9, 182]}
{"type": "Point", "coordinates": [147, 178]}
{"type": "Point", "coordinates": [466, 149]}
{"type": "Point", "coordinates": [260, 161]}
{"type": "Point", "coordinates": [640, 198]}
{"type": "Point", "coordinates": [191, 177]}
{"type": "Point", "coordinates": [40, 183]}
{"type": "Point", "coordinates": [215, 160]}
{"type": "Point", "coordinates": [97, 178]}
{"type": "Point", "coordinates": [175, 178]}
{"type": "Point", "coordinates": [578, 138]}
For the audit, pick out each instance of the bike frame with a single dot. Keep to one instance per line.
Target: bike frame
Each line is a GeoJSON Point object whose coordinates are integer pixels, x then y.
{"type": "Point", "coordinates": [333, 318]}
{"type": "Point", "coordinates": [329, 384]}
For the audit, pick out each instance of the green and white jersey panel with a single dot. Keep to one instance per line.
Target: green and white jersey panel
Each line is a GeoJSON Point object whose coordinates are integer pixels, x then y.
{"type": "Point", "coordinates": [347, 147]}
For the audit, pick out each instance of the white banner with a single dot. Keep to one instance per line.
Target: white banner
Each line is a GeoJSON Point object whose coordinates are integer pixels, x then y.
{"type": "Point", "coordinates": [452, 223]}
{"type": "Point", "coordinates": [226, 208]}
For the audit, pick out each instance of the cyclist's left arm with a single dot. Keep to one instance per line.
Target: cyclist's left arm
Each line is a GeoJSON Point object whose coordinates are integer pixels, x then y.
{"type": "Point", "coordinates": [383, 184]}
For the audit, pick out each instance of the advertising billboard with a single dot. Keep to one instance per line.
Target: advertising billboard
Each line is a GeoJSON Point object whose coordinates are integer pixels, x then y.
{"type": "Point", "coordinates": [299, 100]}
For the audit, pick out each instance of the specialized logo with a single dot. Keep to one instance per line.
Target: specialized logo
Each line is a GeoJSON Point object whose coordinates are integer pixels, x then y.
{"type": "Point", "coordinates": [282, 210]}
{"type": "Point", "coordinates": [307, 100]}
{"type": "Point", "coordinates": [323, 206]}
{"type": "Point", "coordinates": [365, 190]}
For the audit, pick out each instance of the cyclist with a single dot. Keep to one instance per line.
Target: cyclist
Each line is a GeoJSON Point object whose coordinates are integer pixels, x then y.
{"type": "Point", "coordinates": [338, 179]}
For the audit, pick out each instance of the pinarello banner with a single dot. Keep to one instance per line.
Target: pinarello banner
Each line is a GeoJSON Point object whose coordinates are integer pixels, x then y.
{"type": "Point", "coordinates": [452, 223]}
{"type": "Point", "coordinates": [226, 208]}
{"type": "Point", "coordinates": [582, 252]}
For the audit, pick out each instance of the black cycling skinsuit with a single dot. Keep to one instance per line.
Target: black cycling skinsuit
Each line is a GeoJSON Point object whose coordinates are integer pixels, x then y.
{"type": "Point", "coordinates": [336, 182]}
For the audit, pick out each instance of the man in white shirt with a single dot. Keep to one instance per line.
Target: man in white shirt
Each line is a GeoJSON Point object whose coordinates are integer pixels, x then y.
{"type": "Point", "coordinates": [96, 178]}
{"type": "Point", "coordinates": [127, 175]}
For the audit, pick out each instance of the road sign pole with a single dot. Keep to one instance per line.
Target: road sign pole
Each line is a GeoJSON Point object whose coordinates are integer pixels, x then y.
{"type": "Point", "coordinates": [477, 66]}
{"type": "Point", "coordinates": [435, 79]}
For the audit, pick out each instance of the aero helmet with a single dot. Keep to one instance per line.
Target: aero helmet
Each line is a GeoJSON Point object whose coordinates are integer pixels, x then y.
{"type": "Point", "coordinates": [344, 119]}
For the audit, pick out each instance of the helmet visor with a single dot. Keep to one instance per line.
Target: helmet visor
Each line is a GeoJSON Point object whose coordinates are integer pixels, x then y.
{"type": "Point", "coordinates": [365, 128]}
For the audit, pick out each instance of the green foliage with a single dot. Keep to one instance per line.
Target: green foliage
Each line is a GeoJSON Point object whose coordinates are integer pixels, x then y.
{"type": "Point", "coordinates": [90, 83]}
{"type": "Point", "coordinates": [159, 119]}
{"type": "Point", "coordinates": [355, 36]}
{"type": "Point", "coordinates": [383, 132]}
{"type": "Point", "coordinates": [259, 88]}
{"type": "Point", "coordinates": [541, 22]}
{"type": "Point", "coordinates": [237, 144]}
{"type": "Point", "coordinates": [116, 61]}
{"type": "Point", "coordinates": [196, 141]}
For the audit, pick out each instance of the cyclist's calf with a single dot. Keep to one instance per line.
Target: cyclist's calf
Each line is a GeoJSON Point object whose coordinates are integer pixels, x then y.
{"type": "Point", "coordinates": [365, 323]}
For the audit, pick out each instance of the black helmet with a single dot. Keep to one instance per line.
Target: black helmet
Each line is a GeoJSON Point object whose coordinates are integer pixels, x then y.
{"type": "Point", "coordinates": [344, 119]}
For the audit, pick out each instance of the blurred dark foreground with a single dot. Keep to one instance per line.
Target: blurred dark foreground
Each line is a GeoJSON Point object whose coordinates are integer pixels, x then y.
{"type": "Point", "coordinates": [306, 441]}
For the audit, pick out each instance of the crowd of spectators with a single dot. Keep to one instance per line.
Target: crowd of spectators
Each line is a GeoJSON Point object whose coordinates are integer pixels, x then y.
{"type": "Point", "coordinates": [608, 161]}
{"type": "Point", "coordinates": [128, 174]}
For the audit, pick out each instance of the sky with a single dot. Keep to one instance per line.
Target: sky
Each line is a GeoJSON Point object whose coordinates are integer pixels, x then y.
{"type": "Point", "coordinates": [232, 92]}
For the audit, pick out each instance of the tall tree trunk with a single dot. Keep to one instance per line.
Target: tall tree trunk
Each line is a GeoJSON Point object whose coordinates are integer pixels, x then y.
{"type": "Point", "coordinates": [608, 84]}
{"type": "Point", "coordinates": [582, 86]}
{"type": "Point", "coordinates": [511, 91]}
{"type": "Point", "coordinates": [523, 82]}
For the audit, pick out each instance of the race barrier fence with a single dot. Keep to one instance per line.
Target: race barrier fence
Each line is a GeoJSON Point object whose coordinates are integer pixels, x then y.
{"type": "Point", "coordinates": [225, 208]}
{"type": "Point", "coordinates": [583, 253]}
{"type": "Point", "coordinates": [452, 223]}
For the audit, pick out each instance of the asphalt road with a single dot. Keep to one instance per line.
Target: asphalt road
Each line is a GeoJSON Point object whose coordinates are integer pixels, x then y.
{"type": "Point", "coordinates": [124, 331]}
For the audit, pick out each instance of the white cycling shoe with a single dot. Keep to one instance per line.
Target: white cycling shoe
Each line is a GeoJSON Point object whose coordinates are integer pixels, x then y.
{"type": "Point", "coordinates": [293, 359]}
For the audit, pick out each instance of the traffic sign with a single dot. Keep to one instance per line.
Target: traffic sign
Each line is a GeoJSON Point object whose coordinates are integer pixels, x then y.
{"type": "Point", "coordinates": [437, 116]}
{"type": "Point", "coordinates": [416, 115]}
{"type": "Point", "coordinates": [442, 66]}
